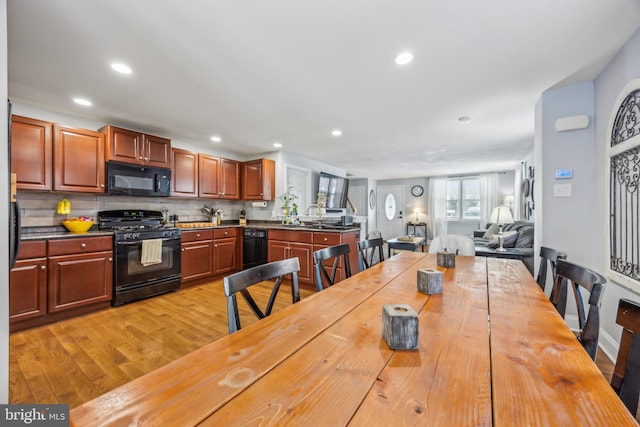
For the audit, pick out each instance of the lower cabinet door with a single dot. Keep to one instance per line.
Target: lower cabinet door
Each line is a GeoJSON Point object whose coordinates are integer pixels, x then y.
{"type": "Point", "coordinates": [28, 289]}
{"type": "Point", "coordinates": [304, 253]}
{"type": "Point", "coordinates": [78, 280]}
{"type": "Point", "coordinates": [225, 257]}
{"type": "Point", "coordinates": [196, 260]}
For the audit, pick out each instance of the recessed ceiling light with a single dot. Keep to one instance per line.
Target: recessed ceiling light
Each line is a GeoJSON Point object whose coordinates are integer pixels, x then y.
{"type": "Point", "coordinates": [216, 138]}
{"type": "Point", "coordinates": [336, 132]}
{"type": "Point", "coordinates": [277, 145]}
{"type": "Point", "coordinates": [121, 68]}
{"type": "Point", "coordinates": [82, 101]}
{"type": "Point", "coordinates": [404, 58]}
{"type": "Point", "coordinates": [464, 120]}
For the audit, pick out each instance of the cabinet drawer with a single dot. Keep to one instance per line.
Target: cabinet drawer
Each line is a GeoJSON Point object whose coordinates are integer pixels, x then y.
{"type": "Point", "coordinates": [221, 233]}
{"type": "Point", "coordinates": [35, 249]}
{"type": "Point", "coordinates": [327, 239]}
{"type": "Point", "coordinates": [196, 235]}
{"type": "Point", "coordinates": [80, 245]}
{"type": "Point", "coordinates": [291, 236]}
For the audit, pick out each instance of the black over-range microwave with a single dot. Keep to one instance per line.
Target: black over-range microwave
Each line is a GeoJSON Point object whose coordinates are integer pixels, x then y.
{"type": "Point", "coordinates": [134, 180]}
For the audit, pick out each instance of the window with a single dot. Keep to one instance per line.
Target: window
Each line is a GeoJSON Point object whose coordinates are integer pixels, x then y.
{"type": "Point", "coordinates": [624, 187]}
{"type": "Point", "coordinates": [463, 199]}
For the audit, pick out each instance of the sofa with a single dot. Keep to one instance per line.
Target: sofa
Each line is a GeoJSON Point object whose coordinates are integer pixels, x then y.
{"type": "Point", "coordinates": [518, 235]}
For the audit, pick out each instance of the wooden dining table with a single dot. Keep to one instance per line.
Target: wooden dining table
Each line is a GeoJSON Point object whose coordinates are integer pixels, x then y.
{"type": "Point", "coordinates": [492, 351]}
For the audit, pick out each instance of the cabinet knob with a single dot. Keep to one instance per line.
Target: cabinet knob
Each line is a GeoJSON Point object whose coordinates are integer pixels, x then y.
{"type": "Point", "coordinates": [43, 267]}
{"type": "Point", "coordinates": [325, 239]}
{"type": "Point", "coordinates": [110, 259]}
{"type": "Point", "coordinates": [140, 158]}
{"type": "Point", "coordinates": [197, 234]}
{"type": "Point", "coordinates": [215, 246]}
{"type": "Point", "coordinates": [83, 245]}
{"type": "Point", "coordinates": [182, 250]}
{"type": "Point", "coordinates": [146, 159]}
{"type": "Point", "coordinates": [101, 185]}
{"type": "Point", "coordinates": [226, 233]}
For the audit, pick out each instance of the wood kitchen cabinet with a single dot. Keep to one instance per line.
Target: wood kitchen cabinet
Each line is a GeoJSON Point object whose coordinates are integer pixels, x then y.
{"type": "Point", "coordinates": [28, 283]}
{"type": "Point", "coordinates": [259, 179]}
{"type": "Point", "coordinates": [197, 255]}
{"type": "Point", "coordinates": [218, 178]}
{"type": "Point", "coordinates": [57, 279]}
{"type": "Point", "coordinates": [285, 244]}
{"type": "Point", "coordinates": [226, 251]}
{"type": "Point", "coordinates": [129, 146]}
{"type": "Point", "coordinates": [31, 153]}
{"type": "Point", "coordinates": [184, 172]}
{"type": "Point", "coordinates": [80, 272]}
{"type": "Point", "coordinates": [78, 158]}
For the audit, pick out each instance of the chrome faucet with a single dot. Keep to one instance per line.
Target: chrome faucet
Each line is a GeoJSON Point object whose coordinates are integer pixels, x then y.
{"type": "Point", "coordinates": [314, 205]}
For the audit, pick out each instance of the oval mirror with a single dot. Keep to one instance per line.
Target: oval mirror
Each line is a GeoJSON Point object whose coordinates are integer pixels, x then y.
{"type": "Point", "coordinates": [390, 207]}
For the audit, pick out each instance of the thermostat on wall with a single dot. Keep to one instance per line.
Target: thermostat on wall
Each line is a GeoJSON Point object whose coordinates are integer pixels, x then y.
{"type": "Point", "coordinates": [564, 173]}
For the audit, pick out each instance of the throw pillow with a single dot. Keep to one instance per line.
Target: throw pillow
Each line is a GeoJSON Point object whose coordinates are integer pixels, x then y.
{"type": "Point", "coordinates": [493, 229]}
{"type": "Point", "coordinates": [508, 240]}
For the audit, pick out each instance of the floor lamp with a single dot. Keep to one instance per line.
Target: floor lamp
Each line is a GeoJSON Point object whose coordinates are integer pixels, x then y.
{"type": "Point", "coordinates": [501, 215]}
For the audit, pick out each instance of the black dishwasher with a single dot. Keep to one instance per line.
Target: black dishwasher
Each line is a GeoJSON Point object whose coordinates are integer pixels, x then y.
{"type": "Point", "coordinates": [254, 247]}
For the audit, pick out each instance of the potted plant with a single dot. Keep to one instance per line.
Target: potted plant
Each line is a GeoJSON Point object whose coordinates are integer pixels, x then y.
{"type": "Point", "coordinates": [289, 202]}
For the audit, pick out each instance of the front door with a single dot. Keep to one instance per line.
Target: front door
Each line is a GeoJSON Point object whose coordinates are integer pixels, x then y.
{"type": "Point", "coordinates": [390, 211]}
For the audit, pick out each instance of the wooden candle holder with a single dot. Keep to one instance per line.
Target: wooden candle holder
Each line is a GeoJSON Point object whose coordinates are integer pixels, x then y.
{"type": "Point", "coordinates": [400, 326]}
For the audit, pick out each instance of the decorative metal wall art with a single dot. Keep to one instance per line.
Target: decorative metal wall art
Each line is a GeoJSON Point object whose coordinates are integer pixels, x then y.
{"type": "Point", "coordinates": [627, 122]}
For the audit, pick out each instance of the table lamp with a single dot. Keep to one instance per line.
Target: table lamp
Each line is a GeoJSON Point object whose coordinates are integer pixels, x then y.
{"type": "Point", "coordinates": [501, 215]}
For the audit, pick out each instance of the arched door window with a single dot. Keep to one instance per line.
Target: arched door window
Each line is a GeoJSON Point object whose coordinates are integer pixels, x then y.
{"type": "Point", "coordinates": [390, 207]}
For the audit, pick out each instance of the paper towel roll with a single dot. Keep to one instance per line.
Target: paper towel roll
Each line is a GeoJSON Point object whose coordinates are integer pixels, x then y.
{"type": "Point", "coordinates": [262, 204]}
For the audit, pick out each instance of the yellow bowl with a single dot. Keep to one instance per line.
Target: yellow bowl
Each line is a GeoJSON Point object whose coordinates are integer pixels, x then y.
{"type": "Point", "coordinates": [77, 226]}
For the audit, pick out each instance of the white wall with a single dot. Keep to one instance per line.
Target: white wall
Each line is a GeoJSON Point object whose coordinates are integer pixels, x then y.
{"type": "Point", "coordinates": [578, 224]}
{"type": "Point", "coordinates": [4, 214]}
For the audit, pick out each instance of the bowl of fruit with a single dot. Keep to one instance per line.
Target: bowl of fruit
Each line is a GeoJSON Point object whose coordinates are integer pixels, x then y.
{"type": "Point", "coordinates": [78, 225]}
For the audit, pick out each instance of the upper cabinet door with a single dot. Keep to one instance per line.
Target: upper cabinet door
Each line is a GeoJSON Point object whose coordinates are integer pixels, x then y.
{"type": "Point", "coordinates": [184, 173]}
{"type": "Point", "coordinates": [230, 178]}
{"type": "Point", "coordinates": [31, 153]}
{"type": "Point", "coordinates": [129, 146]}
{"type": "Point", "coordinates": [78, 156]}
{"type": "Point", "coordinates": [156, 151]}
{"type": "Point", "coordinates": [258, 180]}
{"type": "Point", "coordinates": [208, 176]}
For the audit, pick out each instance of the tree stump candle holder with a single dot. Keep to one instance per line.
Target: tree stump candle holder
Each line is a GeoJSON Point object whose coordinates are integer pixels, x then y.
{"type": "Point", "coordinates": [400, 326]}
{"type": "Point", "coordinates": [430, 281]}
{"type": "Point", "coordinates": [446, 259]}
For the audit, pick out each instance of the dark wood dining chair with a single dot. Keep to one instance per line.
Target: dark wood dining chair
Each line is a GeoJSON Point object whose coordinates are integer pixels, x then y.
{"type": "Point", "coordinates": [548, 258]}
{"type": "Point", "coordinates": [241, 281]}
{"type": "Point", "coordinates": [574, 276]}
{"type": "Point", "coordinates": [334, 254]}
{"type": "Point", "coordinates": [626, 374]}
{"type": "Point", "coordinates": [370, 252]}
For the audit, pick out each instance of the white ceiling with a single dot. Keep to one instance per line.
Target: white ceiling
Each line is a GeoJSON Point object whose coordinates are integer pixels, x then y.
{"type": "Point", "coordinates": [260, 71]}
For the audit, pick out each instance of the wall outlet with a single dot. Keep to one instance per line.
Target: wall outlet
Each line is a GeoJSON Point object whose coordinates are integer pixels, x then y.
{"type": "Point", "coordinates": [562, 190]}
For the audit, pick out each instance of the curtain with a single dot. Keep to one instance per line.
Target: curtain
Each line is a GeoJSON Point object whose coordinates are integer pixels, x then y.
{"type": "Point", "coordinates": [488, 196]}
{"type": "Point", "coordinates": [437, 206]}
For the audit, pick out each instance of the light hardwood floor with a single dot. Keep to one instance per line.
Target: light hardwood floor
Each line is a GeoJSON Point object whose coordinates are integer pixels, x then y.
{"type": "Point", "coordinates": [78, 359]}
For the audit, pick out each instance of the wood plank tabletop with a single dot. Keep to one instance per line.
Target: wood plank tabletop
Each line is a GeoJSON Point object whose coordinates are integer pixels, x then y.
{"type": "Point", "coordinates": [541, 375]}
{"type": "Point", "coordinates": [492, 350]}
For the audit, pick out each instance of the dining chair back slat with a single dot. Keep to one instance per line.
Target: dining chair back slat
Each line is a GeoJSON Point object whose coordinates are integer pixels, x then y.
{"type": "Point", "coordinates": [626, 373]}
{"type": "Point", "coordinates": [333, 254]}
{"type": "Point", "coordinates": [241, 281]}
{"type": "Point", "coordinates": [548, 258]}
{"type": "Point", "coordinates": [576, 277]}
{"type": "Point", "coordinates": [370, 252]}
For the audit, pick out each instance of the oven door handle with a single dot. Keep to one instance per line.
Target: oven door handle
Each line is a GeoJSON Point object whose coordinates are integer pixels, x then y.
{"type": "Point", "coordinates": [137, 242]}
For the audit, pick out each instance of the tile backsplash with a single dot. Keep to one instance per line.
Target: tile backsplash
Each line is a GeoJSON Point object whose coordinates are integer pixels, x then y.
{"type": "Point", "coordinates": [38, 209]}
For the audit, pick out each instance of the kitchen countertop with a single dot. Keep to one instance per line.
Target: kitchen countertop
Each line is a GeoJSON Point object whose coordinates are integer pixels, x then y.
{"type": "Point", "coordinates": [59, 232]}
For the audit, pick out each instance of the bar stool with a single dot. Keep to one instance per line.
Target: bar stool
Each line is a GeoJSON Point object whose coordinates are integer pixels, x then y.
{"type": "Point", "coordinates": [548, 256]}
{"type": "Point", "coordinates": [241, 281]}
{"type": "Point", "coordinates": [592, 282]}
{"type": "Point", "coordinates": [626, 374]}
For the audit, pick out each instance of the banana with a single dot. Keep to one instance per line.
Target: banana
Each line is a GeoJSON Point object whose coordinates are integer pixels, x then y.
{"type": "Point", "coordinates": [64, 206]}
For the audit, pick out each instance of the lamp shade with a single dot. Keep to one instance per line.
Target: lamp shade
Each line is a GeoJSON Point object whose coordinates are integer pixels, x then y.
{"type": "Point", "coordinates": [501, 215]}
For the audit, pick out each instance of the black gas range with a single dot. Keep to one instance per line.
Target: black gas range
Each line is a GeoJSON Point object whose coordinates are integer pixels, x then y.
{"type": "Point", "coordinates": [146, 253]}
